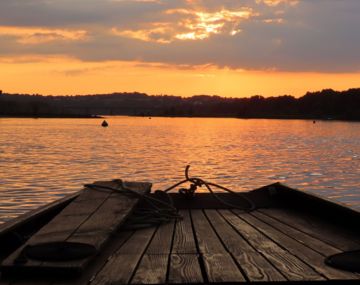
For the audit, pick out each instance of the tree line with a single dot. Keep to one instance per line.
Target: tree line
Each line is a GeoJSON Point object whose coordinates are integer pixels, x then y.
{"type": "Point", "coordinates": [325, 104]}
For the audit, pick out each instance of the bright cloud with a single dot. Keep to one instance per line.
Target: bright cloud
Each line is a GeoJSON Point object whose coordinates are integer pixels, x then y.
{"type": "Point", "coordinates": [285, 35]}
{"type": "Point", "coordinates": [190, 25]}
{"type": "Point", "coordinates": [278, 2]}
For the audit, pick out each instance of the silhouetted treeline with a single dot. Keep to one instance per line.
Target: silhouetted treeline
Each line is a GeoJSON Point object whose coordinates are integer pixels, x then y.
{"type": "Point", "coordinates": [325, 104]}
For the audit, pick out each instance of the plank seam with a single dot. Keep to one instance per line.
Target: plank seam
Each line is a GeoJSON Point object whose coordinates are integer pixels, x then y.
{"type": "Point", "coordinates": [284, 248]}
{"type": "Point", "coordinates": [142, 255]}
{"type": "Point", "coordinates": [298, 241]}
{"type": "Point", "coordinates": [169, 255]}
{"type": "Point", "coordinates": [330, 244]}
{"type": "Point", "coordinates": [250, 244]}
{"type": "Point", "coordinates": [107, 260]}
{"type": "Point", "coordinates": [200, 257]}
{"type": "Point", "coordinates": [224, 245]}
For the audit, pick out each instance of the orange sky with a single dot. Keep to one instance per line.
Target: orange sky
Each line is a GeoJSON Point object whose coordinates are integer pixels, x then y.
{"type": "Point", "coordinates": [64, 76]}
{"type": "Point", "coordinates": [179, 47]}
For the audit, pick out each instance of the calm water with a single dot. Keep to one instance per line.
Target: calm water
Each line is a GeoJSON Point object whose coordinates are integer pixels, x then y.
{"type": "Point", "coordinates": [44, 159]}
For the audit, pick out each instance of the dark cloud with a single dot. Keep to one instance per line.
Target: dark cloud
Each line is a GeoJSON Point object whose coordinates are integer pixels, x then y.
{"type": "Point", "coordinates": [320, 35]}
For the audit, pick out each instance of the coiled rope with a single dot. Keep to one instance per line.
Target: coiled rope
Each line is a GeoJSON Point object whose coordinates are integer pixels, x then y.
{"type": "Point", "coordinates": [157, 213]}
{"type": "Point", "coordinates": [163, 212]}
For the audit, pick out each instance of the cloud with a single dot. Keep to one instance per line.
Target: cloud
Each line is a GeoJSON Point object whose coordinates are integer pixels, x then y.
{"type": "Point", "coordinates": [41, 35]}
{"type": "Point", "coordinates": [274, 3]}
{"type": "Point", "coordinates": [286, 35]}
{"type": "Point", "coordinates": [191, 25]}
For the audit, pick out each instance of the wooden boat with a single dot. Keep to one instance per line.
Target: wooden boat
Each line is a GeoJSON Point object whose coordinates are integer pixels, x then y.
{"type": "Point", "coordinates": [285, 240]}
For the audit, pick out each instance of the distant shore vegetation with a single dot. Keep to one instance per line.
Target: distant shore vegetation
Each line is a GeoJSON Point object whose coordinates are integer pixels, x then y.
{"type": "Point", "coordinates": [325, 104]}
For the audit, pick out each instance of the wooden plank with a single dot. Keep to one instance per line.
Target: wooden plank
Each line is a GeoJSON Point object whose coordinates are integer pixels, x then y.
{"type": "Point", "coordinates": [153, 265]}
{"type": "Point", "coordinates": [184, 241]}
{"type": "Point", "coordinates": [108, 217]}
{"type": "Point", "coordinates": [289, 265]}
{"type": "Point", "coordinates": [337, 237]}
{"type": "Point", "coordinates": [314, 259]}
{"type": "Point", "coordinates": [152, 269]}
{"type": "Point", "coordinates": [162, 240]}
{"type": "Point", "coordinates": [184, 268]}
{"type": "Point", "coordinates": [32, 215]}
{"type": "Point", "coordinates": [121, 266]}
{"type": "Point", "coordinates": [117, 240]}
{"type": "Point", "coordinates": [207, 239]}
{"type": "Point", "coordinates": [312, 242]}
{"type": "Point", "coordinates": [257, 268]}
{"type": "Point", "coordinates": [253, 264]}
{"type": "Point", "coordinates": [219, 265]}
{"type": "Point", "coordinates": [62, 225]}
{"type": "Point", "coordinates": [90, 219]}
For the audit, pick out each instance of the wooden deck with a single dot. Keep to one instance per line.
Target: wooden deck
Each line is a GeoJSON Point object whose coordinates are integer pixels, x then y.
{"type": "Point", "coordinates": [221, 246]}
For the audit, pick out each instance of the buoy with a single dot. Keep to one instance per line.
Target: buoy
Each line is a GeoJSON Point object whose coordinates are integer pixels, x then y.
{"type": "Point", "coordinates": [104, 124]}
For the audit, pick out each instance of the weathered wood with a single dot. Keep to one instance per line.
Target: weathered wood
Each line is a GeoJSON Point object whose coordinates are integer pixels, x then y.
{"type": "Point", "coordinates": [116, 241]}
{"type": "Point", "coordinates": [62, 226]}
{"type": "Point", "coordinates": [152, 269]}
{"type": "Point", "coordinates": [28, 217]}
{"type": "Point", "coordinates": [184, 241]}
{"type": "Point", "coordinates": [337, 237]}
{"type": "Point", "coordinates": [89, 219]}
{"type": "Point", "coordinates": [312, 242]}
{"type": "Point", "coordinates": [184, 268]}
{"type": "Point", "coordinates": [207, 239]}
{"type": "Point", "coordinates": [253, 264]}
{"type": "Point", "coordinates": [122, 264]}
{"type": "Point", "coordinates": [219, 265]}
{"type": "Point", "coordinates": [161, 242]}
{"type": "Point", "coordinates": [289, 265]}
{"type": "Point", "coordinates": [153, 265]}
{"type": "Point", "coordinates": [314, 259]}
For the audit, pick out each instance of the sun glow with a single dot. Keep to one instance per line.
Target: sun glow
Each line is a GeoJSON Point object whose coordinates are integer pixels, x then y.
{"type": "Point", "coordinates": [193, 25]}
{"type": "Point", "coordinates": [69, 76]}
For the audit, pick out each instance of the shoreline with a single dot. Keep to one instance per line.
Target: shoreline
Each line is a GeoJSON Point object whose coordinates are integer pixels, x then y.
{"type": "Point", "coordinates": [54, 117]}
{"type": "Point", "coordinates": [184, 116]}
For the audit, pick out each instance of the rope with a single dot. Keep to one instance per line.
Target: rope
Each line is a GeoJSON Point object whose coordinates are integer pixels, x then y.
{"type": "Point", "coordinates": [143, 217]}
{"type": "Point", "coordinates": [198, 182]}
{"type": "Point", "coordinates": [163, 212]}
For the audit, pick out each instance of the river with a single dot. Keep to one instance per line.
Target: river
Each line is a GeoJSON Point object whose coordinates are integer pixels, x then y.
{"type": "Point", "coordinates": [44, 159]}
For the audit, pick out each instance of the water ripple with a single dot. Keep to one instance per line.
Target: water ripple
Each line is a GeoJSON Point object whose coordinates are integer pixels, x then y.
{"type": "Point", "coordinates": [44, 159]}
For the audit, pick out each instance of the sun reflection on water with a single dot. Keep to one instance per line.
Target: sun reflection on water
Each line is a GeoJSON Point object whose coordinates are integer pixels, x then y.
{"type": "Point", "coordinates": [44, 159]}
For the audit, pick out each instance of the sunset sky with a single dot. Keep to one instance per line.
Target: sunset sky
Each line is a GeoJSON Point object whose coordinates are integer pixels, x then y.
{"type": "Point", "coordinates": [235, 48]}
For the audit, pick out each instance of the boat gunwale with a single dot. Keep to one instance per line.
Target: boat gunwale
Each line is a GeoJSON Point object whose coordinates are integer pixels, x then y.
{"type": "Point", "coordinates": [271, 192]}
{"type": "Point", "coordinates": [36, 213]}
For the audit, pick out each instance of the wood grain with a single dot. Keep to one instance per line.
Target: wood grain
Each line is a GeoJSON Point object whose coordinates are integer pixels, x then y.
{"type": "Point", "coordinates": [312, 242]}
{"type": "Point", "coordinates": [121, 266]}
{"type": "Point", "coordinates": [336, 236]}
{"type": "Point", "coordinates": [254, 265]}
{"type": "Point", "coordinates": [161, 242]}
{"type": "Point", "coordinates": [152, 269]}
{"type": "Point", "coordinates": [207, 239]}
{"type": "Point", "coordinates": [314, 259]}
{"type": "Point", "coordinates": [219, 265]}
{"type": "Point", "coordinates": [289, 265]}
{"type": "Point", "coordinates": [90, 219]}
{"type": "Point", "coordinates": [184, 268]}
{"type": "Point", "coordinates": [184, 241]}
